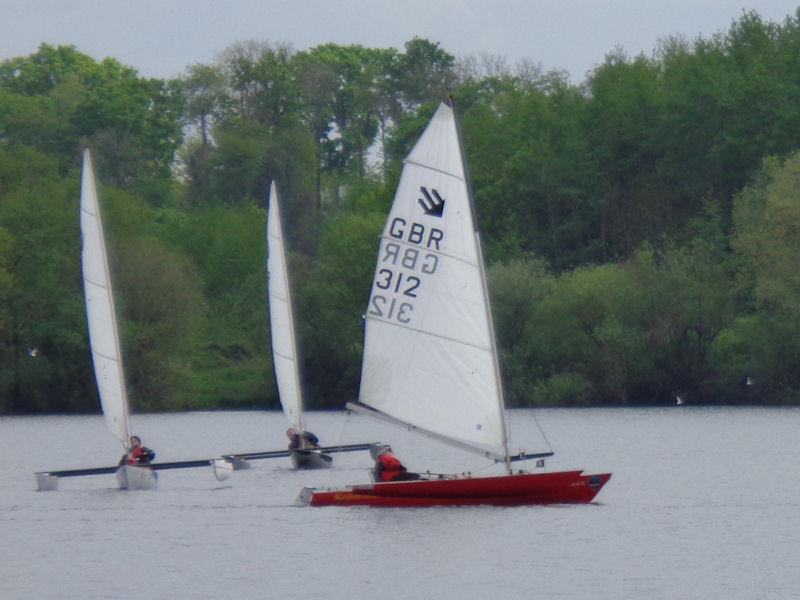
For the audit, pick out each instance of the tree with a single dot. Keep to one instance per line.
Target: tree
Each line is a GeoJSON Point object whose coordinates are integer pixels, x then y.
{"type": "Point", "coordinates": [262, 76]}
{"type": "Point", "coordinates": [58, 99]}
{"type": "Point", "coordinates": [424, 72]}
{"type": "Point", "coordinates": [516, 289]}
{"type": "Point", "coordinates": [43, 344]}
{"type": "Point", "coordinates": [161, 306]}
{"type": "Point", "coordinates": [535, 177]}
{"type": "Point", "coordinates": [331, 307]}
{"type": "Point", "coordinates": [762, 344]}
{"type": "Point", "coordinates": [623, 123]}
{"type": "Point", "coordinates": [229, 358]}
{"type": "Point", "coordinates": [206, 101]}
{"type": "Point", "coordinates": [6, 290]}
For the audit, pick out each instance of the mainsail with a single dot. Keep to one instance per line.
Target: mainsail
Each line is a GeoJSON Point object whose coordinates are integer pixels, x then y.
{"type": "Point", "coordinates": [429, 356]}
{"type": "Point", "coordinates": [103, 336]}
{"type": "Point", "coordinates": [284, 348]}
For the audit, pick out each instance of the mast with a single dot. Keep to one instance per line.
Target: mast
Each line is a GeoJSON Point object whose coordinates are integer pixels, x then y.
{"type": "Point", "coordinates": [485, 287]}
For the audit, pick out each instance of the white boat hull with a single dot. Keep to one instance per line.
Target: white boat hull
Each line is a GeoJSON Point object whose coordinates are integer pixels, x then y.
{"type": "Point", "coordinates": [130, 477]}
{"type": "Point", "coordinates": [222, 469]}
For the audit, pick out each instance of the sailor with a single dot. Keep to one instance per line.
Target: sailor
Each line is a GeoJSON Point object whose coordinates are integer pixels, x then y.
{"type": "Point", "coordinates": [388, 467]}
{"type": "Point", "coordinates": [301, 440]}
{"type": "Point", "coordinates": [138, 454]}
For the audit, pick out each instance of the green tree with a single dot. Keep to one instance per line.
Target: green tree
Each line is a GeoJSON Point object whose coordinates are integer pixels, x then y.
{"type": "Point", "coordinates": [516, 289]}
{"type": "Point", "coordinates": [229, 360]}
{"type": "Point", "coordinates": [206, 101]}
{"type": "Point", "coordinates": [762, 344]}
{"type": "Point", "coordinates": [624, 118]}
{"type": "Point", "coordinates": [59, 99]}
{"type": "Point", "coordinates": [332, 299]}
{"type": "Point", "coordinates": [43, 341]}
{"type": "Point", "coordinates": [162, 307]}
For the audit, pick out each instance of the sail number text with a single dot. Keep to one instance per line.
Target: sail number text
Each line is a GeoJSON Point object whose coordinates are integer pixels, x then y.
{"type": "Point", "coordinates": [402, 270]}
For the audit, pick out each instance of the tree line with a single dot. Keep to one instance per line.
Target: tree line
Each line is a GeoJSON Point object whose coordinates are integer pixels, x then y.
{"type": "Point", "coordinates": [642, 228]}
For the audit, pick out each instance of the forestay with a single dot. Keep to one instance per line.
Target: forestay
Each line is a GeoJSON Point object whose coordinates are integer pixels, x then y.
{"type": "Point", "coordinates": [102, 320]}
{"type": "Point", "coordinates": [429, 358]}
{"type": "Point", "coordinates": [284, 348]}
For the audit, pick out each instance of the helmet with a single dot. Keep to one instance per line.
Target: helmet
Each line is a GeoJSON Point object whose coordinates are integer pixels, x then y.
{"type": "Point", "coordinates": [375, 450]}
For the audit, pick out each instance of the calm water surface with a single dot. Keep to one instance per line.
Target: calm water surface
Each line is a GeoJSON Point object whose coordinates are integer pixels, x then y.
{"type": "Point", "coordinates": [704, 503]}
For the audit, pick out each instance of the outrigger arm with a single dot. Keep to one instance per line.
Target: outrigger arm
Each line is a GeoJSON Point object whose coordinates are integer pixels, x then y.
{"type": "Point", "coordinates": [245, 456]}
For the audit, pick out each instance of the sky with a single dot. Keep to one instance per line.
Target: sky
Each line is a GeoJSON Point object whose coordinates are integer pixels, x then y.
{"type": "Point", "coordinates": [160, 38]}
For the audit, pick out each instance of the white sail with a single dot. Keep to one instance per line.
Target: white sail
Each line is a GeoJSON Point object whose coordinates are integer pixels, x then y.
{"type": "Point", "coordinates": [103, 336]}
{"type": "Point", "coordinates": [429, 356]}
{"type": "Point", "coordinates": [284, 348]}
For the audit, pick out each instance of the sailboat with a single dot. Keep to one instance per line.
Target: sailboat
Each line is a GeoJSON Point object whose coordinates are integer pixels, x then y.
{"type": "Point", "coordinates": [284, 345]}
{"type": "Point", "coordinates": [430, 359]}
{"type": "Point", "coordinates": [104, 340]}
{"type": "Point", "coordinates": [103, 331]}
{"type": "Point", "coordinates": [107, 357]}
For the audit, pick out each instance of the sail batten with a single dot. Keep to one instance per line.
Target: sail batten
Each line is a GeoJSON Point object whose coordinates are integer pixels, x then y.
{"type": "Point", "coordinates": [284, 345]}
{"type": "Point", "coordinates": [443, 172]}
{"type": "Point", "coordinates": [427, 333]}
{"type": "Point", "coordinates": [103, 331]}
{"type": "Point", "coordinates": [429, 355]}
{"type": "Point", "coordinates": [437, 253]}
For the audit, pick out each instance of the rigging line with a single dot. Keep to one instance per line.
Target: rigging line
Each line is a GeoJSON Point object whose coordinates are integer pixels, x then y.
{"type": "Point", "coordinates": [541, 430]}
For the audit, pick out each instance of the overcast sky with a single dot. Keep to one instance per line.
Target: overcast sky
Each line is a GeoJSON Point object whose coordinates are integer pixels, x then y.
{"type": "Point", "coordinates": [160, 38]}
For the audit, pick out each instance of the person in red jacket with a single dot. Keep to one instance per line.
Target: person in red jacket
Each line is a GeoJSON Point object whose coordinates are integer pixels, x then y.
{"type": "Point", "coordinates": [389, 468]}
{"type": "Point", "coordinates": [138, 454]}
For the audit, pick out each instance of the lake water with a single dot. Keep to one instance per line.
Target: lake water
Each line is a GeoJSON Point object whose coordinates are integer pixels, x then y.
{"type": "Point", "coordinates": [704, 503]}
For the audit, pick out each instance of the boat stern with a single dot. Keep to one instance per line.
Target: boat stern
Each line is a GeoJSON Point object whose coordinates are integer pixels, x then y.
{"type": "Point", "coordinates": [311, 459]}
{"type": "Point", "coordinates": [132, 478]}
{"type": "Point", "coordinates": [304, 497]}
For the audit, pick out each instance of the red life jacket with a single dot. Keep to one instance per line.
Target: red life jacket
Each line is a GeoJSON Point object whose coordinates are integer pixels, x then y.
{"type": "Point", "coordinates": [391, 467]}
{"type": "Point", "coordinates": [138, 455]}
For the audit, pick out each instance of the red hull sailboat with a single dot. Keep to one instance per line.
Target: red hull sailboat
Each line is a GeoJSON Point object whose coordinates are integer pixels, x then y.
{"type": "Point", "coordinates": [430, 357]}
{"type": "Point", "coordinates": [567, 487]}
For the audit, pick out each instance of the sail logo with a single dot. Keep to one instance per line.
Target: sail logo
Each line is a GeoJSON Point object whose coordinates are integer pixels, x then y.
{"type": "Point", "coordinates": [432, 205]}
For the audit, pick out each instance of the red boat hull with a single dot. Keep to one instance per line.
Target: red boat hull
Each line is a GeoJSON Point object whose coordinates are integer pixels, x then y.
{"type": "Point", "coordinates": [566, 487]}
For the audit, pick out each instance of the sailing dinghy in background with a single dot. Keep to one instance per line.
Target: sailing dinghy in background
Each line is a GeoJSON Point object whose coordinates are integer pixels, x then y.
{"type": "Point", "coordinates": [106, 355]}
{"type": "Point", "coordinates": [285, 357]}
{"type": "Point", "coordinates": [430, 360]}
{"type": "Point", "coordinates": [284, 345]}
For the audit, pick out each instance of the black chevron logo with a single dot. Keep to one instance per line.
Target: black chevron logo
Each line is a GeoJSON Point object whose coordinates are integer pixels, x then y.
{"type": "Point", "coordinates": [431, 205]}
